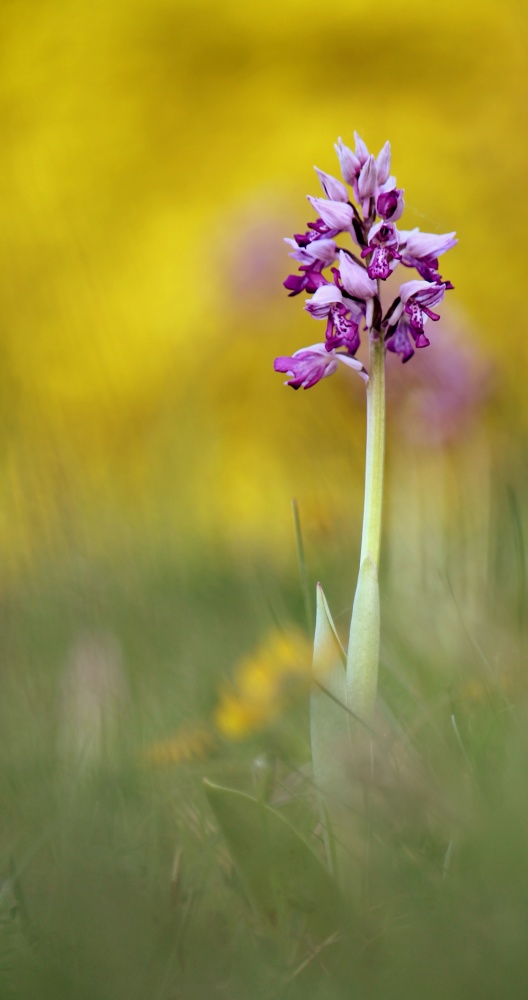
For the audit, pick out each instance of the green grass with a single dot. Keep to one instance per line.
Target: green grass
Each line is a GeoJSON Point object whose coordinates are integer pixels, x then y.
{"type": "Point", "coordinates": [114, 879]}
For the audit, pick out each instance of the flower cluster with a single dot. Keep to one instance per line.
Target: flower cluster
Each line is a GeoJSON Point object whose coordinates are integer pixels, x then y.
{"type": "Point", "coordinates": [349, 299]}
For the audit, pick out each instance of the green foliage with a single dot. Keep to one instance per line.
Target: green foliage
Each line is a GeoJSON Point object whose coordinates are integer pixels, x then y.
{"type": "Point", "coordinates": [278, 868]}
{"type": "Point", "coordinates": [125, 888]}
{"type": "Point", "coordinates": [329, 728]}
{"type": "Point", "coordinates": [364, 644]}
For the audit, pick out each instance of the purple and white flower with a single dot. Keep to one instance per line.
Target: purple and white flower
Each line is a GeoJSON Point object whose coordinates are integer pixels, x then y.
{"type": "Point", "coordinates": [419, 245]}
{"type": "Point", "coordinates": [383, 164]}
{"type": "Point", "coordinates": [422, 250]}
{"type": "Point", "coordinates": [348, 161]}
{"type": "Point", "coordinates": [333, 189]}
{"type": "Point", "coordinates": [355, 278]}
{"type": "Point", "coordinates": [308, 281]}
{"type": "Point", "coordinates": [383, 243]}
{"type": "Point", "coordinates": [311, 364]}
{"type": "Point", "coordinates": [343, 317]}
{"type": "Point", "coordinates": [401, 342]}
{"type": "Point", "coordinates": [348, 297]}
{"type": "Point", "coordinates": [417, 298]}
{"type": "Point", "coordinates": [410, 316]}
{"type": "Point", "coordinates": [324, 298]}
{"type": "Point", "coordinates": [389, 203]}
{"type": "Point", "coordinates": [322, 251]}
{"type": "Point", "coordinates": [335, 214]}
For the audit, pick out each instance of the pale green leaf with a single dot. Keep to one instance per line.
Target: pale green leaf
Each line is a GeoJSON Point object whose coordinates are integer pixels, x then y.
{"type": "Point", "coordinates": [363, 649]}
{"type": "Point", "coordinates": [277, 866]}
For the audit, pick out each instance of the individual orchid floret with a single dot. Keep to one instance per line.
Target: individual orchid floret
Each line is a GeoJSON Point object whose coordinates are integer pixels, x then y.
{"type": "Point", "coordinates": [313, 257]}
{"type": "Point", "coordinates": [417, 244]}
{"type": "Point", "coordinates": [357, 283]}
{"type": "Point", "coordinates": [409, 317]}
{"type": "Point", "coordinates": [334, 189]}
{"type": "Point", "coordinates": [317, 230]}
{"type": "Point", "coordinates": [323, 251]}
{"type": "Point", "coordinates": [400, 342]}
{"type": "Point", "coordinates": [417, 298]}
{"type": "Point", "coordinates": [342, 330]}
{"type": "Point", "coordinates": [390, 204]}
{"type": "Point", "coordinates": [367, 179]}
{"type": "Point", "coordinates": [348, 162]}
{"type": "Point", "coordinates": [355, 278]}
{"type": "Point", "coordinates": [311, 364]}
{"type": "Point", "coordinates": [383, 243]}
{"type": "Point", "coordinates": [362, 152]}
{"type": "Point", "coordinates": [343, 317]}
{"type": "Point", "coordinates": [383, 164]}
{"type": "Point", "coordinates": [335, 214]}
{"type": "Point", "coordinates": [319, 306]}
{"type": "Point", "coordinates": [422, 250]}
{"type": "Point", "coordinates": [308, 281]}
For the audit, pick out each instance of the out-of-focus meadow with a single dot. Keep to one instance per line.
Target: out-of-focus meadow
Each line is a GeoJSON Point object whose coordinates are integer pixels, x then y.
{"type": "Point", "coordinates": [153, 157]}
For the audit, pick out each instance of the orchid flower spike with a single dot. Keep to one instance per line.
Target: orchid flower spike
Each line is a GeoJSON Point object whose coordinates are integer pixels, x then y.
{"type": "Point", "coordinates": [345, 282]}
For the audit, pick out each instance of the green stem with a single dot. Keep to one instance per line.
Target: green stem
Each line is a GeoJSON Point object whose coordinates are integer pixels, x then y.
{"type": "Point", "coordinates": [372, 512]}
{"type": "Point", "coordinates": [364, 642]}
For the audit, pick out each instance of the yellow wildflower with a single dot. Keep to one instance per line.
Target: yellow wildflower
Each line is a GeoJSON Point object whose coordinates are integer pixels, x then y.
{"type": "Point", "coordinates": [264, 683]}
{"type": "Point", "coordinates": [189, 743]}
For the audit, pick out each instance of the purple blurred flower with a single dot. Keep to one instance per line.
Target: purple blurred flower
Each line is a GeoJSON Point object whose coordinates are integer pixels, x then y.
{"type": "Point", "coordinates": [439, 400]}
{"type": "Point", "coordinates": [309, 365]}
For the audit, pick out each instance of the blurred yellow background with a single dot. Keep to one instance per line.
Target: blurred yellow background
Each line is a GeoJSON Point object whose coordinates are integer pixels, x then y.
{"type": "Point", "coordinates": [153, 157]}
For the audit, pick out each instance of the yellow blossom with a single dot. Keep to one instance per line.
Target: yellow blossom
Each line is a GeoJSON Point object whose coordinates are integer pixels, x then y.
{"type": "Point", "coordinates": [188, 744]}
{"type": "Point", "coordinates": [264, 683]}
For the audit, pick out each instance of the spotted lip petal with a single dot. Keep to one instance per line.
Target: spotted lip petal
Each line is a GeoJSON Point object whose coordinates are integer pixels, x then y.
{"type": "Point", "coordinates": [384, 234]}
{"type": "Point", "coordinates": [341, 330]}
{"type": "Point", "coordinates": [401, 341]}
{"type": "Point", "coordinates": [423, 292]}
{"type": "Point", "coordinates": [322, 301]}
